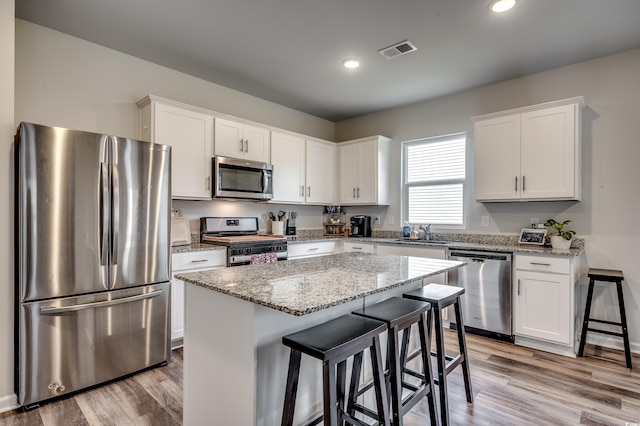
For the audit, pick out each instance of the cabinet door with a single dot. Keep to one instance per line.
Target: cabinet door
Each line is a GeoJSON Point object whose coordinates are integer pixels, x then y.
{"type": "Point", "coordinates": [548, 153]}
{"type": "Point", "coordinates": [367, 182]}
{"type": "Point", "coordinates": [497, 158]}
{"type": "Point", "coordinates": [190, 135]}
{"type": "Point", "coordinates": [348, 173]}
{"type": "Point", "coordinates": [542, 306]}
{"type": "Point", "coordinates": [177, 309]}
{"type": "Point", "coordinates": [258, 143]}
{"type": "Point", "coordinates": [288, 159]}
{"type": "Point", "coordinates": [320, 172]}
{"type": "Point", "coordinates": [229, 138]}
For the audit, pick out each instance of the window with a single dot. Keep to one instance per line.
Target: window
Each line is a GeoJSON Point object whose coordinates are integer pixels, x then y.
{"type": "Point", "coordinates": [434, 180]}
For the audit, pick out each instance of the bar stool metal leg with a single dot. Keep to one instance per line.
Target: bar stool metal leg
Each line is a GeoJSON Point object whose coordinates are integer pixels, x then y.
{"type": "Point", "coordinates": [463, 349]}
{"type": "Point", "coordinates": [623, 324]}
{"type": "Point", "coordinates": [585, 321]}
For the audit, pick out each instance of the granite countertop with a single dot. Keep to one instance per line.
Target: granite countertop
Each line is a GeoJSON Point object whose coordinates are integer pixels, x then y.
{"type": "Point", "coordinates": [497, 243]}
{"type": "Point", "coordinates": [196, 247]}
{"type": "Point", "coordinates": [303, 286]}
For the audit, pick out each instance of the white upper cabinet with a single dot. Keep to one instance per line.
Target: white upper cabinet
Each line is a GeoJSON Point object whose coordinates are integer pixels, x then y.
{"type": "Point", "coordinates": [288, 159]}
{"type": "Point", "coordinates": [364, 171]}
{"type": "Point", "coordinates": [304, 170]}
{"type": "Point", "coordinates": [529, 154]}
{"type": "Point", "coordinates": [189, 132]}
{"type": "Point", "coordinates": [239, 140]}
{"type": "Point", "coordinates": [321, 172]}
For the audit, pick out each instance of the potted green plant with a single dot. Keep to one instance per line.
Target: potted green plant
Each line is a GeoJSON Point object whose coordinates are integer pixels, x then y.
{"type": "Point", "coordinates": [562, 237]}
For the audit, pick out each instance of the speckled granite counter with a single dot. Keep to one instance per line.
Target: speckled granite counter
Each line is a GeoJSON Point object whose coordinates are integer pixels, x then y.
{"type": "Point", "coordinates": [303, 286]}
{"type": "Point", "coordinates": [498, 243]}
{"type": "Point", "coordinates": [196, 247]}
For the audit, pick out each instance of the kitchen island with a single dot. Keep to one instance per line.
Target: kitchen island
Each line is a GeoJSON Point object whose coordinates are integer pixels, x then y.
{"type": "Point", "coordinates": [235, 365]}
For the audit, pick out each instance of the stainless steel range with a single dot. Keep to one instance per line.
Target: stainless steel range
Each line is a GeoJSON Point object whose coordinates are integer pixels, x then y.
{"type": "Point", "coordinates": [240, 235]}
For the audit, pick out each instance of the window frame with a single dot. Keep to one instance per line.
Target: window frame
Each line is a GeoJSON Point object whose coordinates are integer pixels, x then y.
{"type": "Point", "coordinates": [405, 186]}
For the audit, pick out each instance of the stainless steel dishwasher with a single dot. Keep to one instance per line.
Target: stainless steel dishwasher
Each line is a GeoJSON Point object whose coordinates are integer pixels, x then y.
{"type": "Point", "coordinates": [486, 303]}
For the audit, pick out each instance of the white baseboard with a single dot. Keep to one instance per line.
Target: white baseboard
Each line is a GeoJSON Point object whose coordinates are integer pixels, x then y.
{"type": "Point", "coordinates": [8, 403]}
{"type": "Point", "coordinates": [611, 342]}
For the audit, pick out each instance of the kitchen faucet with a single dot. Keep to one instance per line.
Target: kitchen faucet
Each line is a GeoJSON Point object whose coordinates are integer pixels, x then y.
{"type": "Point", "coordinates": [426, 235]}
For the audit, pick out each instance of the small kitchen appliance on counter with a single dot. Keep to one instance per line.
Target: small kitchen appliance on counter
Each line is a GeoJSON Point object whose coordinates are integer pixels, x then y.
{"type": "Point", "coordinates": [240, 236]}
{"type": "Point", "coordinates": [360, 226]}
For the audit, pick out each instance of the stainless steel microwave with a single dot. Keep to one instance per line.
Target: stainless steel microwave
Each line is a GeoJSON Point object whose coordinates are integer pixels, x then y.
{"type": "Point", "coordinates": [235, 178]}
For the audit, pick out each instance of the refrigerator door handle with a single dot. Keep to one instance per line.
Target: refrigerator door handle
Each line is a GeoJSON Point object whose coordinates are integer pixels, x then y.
{"type": "Point", "coordinates": [107, 303]}
{"type": "Point", "coordinates": [104, 214]}
{"type": "Point", "coordinates": [115, 214]}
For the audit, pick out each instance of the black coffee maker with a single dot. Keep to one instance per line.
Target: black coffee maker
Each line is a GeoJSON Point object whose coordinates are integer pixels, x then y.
{"type": "Point", "coordinates": [360, 226]}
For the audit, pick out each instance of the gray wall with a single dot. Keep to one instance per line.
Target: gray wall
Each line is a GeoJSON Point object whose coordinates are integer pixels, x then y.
{"type": "Point", "coordinates": [608, 215]}
{"type": "Point", "coordinates": [7, 130]}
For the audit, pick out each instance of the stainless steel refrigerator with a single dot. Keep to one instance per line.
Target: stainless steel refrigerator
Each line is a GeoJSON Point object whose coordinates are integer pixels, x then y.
{"type": "Point", "coordinates": [93, 259]}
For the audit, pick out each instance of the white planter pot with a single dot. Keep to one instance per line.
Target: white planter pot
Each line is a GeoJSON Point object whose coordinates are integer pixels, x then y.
{"type": "Point", "coordinates": [557, 242]}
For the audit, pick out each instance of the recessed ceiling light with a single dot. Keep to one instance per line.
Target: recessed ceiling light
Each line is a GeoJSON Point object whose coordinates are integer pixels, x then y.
{"type": "Point", "coordinates": [500, 6]}
{"type": "Point", "coordinates": [351, 63]}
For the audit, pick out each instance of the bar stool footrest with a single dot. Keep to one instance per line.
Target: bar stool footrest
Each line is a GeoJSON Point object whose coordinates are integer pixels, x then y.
{"type": "Point", "coordinates": [619, 324]}
{"type": "Point", "coordinates": [610, 333]}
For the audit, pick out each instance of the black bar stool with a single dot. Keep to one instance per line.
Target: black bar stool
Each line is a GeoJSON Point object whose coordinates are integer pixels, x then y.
{"type": "Point", "coordinates": [400, 314]}
{"type": "Point", "coordinates": [611, 276]}
{"type": "Point", "coordinates": [441, 296]}
{"type": "Point", "coordinates": [333, 343]}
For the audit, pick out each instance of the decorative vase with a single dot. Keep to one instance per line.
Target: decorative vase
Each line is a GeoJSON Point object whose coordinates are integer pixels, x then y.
{"type": "Point", "coordinates": [557, 242]}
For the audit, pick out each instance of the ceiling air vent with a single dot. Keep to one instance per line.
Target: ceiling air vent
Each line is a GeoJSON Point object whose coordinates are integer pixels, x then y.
{"type": "Point", "coordinates": [398, 49]}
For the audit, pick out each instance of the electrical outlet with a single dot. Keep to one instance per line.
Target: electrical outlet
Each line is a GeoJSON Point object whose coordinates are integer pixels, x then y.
{"type": "Point", "coordinates": [376, 220]}
{"type": "Point", "coordinates": [534, 222]}
{"type": "Point", "coordinates": [390, 219]}
{"type": "Point", "coordinates": [484, 221]}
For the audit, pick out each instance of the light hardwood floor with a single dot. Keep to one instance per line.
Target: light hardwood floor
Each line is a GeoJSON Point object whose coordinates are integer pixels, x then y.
{"type": "Point", "coordinates": [511, 386]}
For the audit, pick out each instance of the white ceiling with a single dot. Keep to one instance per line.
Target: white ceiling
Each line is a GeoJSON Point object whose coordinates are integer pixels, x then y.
{"type": "Point", "coordinates": [290, 51]}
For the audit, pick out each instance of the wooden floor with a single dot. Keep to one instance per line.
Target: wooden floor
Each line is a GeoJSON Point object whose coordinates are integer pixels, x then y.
{"type": "Point", "coordinates": [511, 386]}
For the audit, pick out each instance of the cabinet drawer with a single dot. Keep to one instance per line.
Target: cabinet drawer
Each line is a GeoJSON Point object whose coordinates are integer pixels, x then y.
{"type": "Point", "coordinates": [310, 249]}
{"type": "Point", "coordinates": [361, 247]}
{"type": "Point", "coordinates": [553, 264]}
{"type": "Point", "coordinates": [198, 260]}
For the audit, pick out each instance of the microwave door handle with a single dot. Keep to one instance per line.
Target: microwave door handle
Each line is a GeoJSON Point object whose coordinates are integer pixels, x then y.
{"type": "Point", "coordinates": [265, 181]}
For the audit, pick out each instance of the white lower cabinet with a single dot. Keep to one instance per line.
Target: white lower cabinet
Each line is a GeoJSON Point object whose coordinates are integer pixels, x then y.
{"type": "Point", "coordinates": [188, 262]}
{"type": "Point", "coordinates": [311, 249]}
{"type": "Point", "coordinates": [545, 308]}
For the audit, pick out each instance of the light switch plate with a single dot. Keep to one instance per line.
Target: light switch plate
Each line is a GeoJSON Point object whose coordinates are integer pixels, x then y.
{"type": "Point", "coordinates": [484, 221]}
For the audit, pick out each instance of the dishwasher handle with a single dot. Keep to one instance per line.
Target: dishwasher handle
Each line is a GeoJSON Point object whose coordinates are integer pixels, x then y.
{"type": "Point", "coordinates": [480, 256]}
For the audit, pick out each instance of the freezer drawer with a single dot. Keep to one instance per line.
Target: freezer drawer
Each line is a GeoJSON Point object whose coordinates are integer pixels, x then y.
{"type": "Point", "coordinates": [68, 344]}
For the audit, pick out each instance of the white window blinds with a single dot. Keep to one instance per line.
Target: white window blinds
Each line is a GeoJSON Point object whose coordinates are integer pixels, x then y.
{"type": "Point", "coordinates": [434, 180]}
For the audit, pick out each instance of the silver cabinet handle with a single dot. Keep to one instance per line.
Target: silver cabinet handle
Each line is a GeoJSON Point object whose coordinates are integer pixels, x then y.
{"type": "Point", "coordinates": [302, 190]}
{"type": "Point", "coordinates": [312, 249]}
{"type": "Point", "coordinates": [358, 191]}
{"type": "Point", "coordinates": [208, 180]}
{"type": "Point", "coordinates": [516, 187]}
{"type": "Point", "coordinates": [354, 192]}
{"type": "Point", "coordinates": [539, 264]}
{"type": "Point", "coordinates": [246, 145]}
{"type": "Point", "coordinates": [93, 305]}
{"type": "Point", "coordinates": [518, 286]}
{"type": "Point", "coordinates": [199, 261]}
{"type": "Point", "coordinates": [523, 183]}
{"type": "Point", "coordinates": [356, 248]}
{"type": "Point", "coordinates": [308, 191]}
{"type": "Point", "coordinates": [241, 145]}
